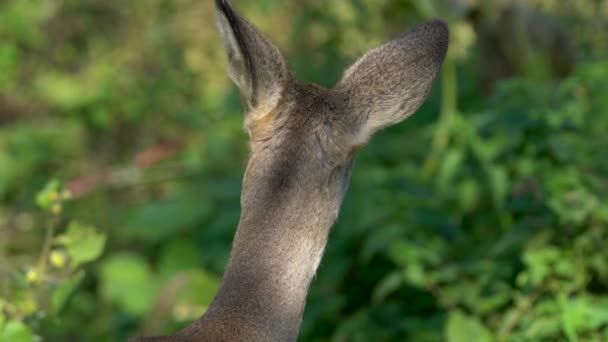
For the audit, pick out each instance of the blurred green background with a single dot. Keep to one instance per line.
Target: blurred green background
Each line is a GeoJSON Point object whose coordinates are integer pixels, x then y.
{"type": "Point", "coordinates": [482, 218]}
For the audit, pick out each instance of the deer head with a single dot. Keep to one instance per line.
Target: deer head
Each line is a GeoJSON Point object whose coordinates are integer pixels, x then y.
{"type": "Point", "coordinates": [303, 140]}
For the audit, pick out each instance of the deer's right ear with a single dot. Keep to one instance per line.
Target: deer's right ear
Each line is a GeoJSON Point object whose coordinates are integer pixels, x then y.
{"type": "Point", "coordinates": [254, 63]}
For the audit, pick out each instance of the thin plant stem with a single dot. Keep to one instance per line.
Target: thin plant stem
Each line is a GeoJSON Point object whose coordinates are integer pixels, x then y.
{"type": "Point", "coordinates": [449, 108]}
{"type": "Point", "coordinates": [521, 309]}
{"type": "Point", "coordinates": [46, 247]}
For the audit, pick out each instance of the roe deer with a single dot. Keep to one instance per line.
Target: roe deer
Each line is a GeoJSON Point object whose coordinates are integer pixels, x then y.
{"type": "Point", "coordinates": [303, 139]}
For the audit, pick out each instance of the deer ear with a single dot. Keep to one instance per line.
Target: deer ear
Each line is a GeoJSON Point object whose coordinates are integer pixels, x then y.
{"type": "Point", "coordinates": [391, 82]}
{"type": "Point", "coordinates": [254, 63]}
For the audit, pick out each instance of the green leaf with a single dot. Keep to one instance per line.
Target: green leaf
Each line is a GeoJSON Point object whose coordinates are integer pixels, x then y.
{"type": "Point", "coordinates": [127, 281]}
{"type": "Point", "coordinates": [543, 329]}
{"type": "Point", "coordinates": [48, 195]}
{"type": "Point", "coordinates": [463, 328]}
{"type": "Point", "coordinates": [200, 290]}
{"type": "Point", "coordinates": [540, 262]}
{"type": "Point", "coordinates": [598, 313]}
{"type": "Point", "coordinates": [2, 318]}
{"type": "Point", "coordinates": [62, 294]}
{"type": "Point", "coordinates": [602, 212]}
{"type": "Point", "coordinates": [449, 169]}
{"type": "Point", "coordinates": [64, 90]}
{"type": "Point", "coordinates": [379, 241]}
{"type": "Point", "coordinates": [469, 194]}
{"type": "Point", "coordinates": [162, 219]}
{"type": "Point", "coordinates": [15, 331]}
{"type": "Point", "coordinates": [83, 243]}
{"type": "Point", "coordinates": [572, 316]}
{"type": "Point", "coordinates": [9, 64]}
{"type": "Point", "coordinates": [574, 206]}
{"type": "Point", "coordinates": [582, 313]}
{"type": "Point", "coordinates": [462, 292]}
{"type": "Point", "coordinates": [416, 275]}
{"type": "Point", "coordinates": [179, 256]}
{"type": "Point", "coordinates": [499, 183]}
{"type": "Point", "coordinates": [386, 286]}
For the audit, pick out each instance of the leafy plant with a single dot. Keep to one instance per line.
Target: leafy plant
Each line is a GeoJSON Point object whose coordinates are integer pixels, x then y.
{"type": "Point", "coordinates": [41, 291]}
{"type": "Point", "coordinates": [479, 218]}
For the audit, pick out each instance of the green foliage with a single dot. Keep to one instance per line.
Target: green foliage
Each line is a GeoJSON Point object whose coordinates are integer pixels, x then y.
{"type": "Point", "coordinates": [508, 237]}
{"type": "Point", "coordinates": [128, 281]}
{"type": "Point", "coordinates": [16, 331]}
{"type": "Point", "coordinates": [462, 328]}
{"type": "Point", "coordinates": [49, 196]}
{"type": "Point", "coordinates": [82, 244]}
{"type": "Point", "coordinates": [479, 219]}
{"type": "Point", "coordinates": [63, 293]}
{"type": "Point", "coordinates": [34, 291]}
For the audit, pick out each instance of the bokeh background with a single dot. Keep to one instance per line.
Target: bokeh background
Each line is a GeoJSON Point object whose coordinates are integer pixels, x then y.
{"type": "Point", "coordinates": [484, 217]}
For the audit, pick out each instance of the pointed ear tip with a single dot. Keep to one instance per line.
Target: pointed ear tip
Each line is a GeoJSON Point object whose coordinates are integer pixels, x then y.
{"type": "Point", "coordinates": [223, 5]}
{"type": "Point", "coordinates": [439, 32]}
{"type": "Point", "coordinates": [439, 29]}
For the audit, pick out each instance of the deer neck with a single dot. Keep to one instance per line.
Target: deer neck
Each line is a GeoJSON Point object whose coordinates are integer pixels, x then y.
{"type": "Point", "coordinates": [276, 251]}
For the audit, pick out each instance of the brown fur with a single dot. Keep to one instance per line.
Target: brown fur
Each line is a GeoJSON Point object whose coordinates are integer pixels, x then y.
{"type": "Point", "coordinates": [303, 140]}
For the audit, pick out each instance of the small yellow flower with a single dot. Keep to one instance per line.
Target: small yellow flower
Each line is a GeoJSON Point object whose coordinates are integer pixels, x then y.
{"type": "Point", "coordinates": [54, 196]}
{"type": "Point", "coordinates": [56, 208]}
{"type": "Point", "coordinates": [58, 259]}
{"type": "Point", "coordinates": [32, 277]}
{"type": "Point", "coordinates": [66, 195]}
{"type": "Point", "coordinates": [28, 306]}
{"type": "Point", "coordinates": [185, 312]}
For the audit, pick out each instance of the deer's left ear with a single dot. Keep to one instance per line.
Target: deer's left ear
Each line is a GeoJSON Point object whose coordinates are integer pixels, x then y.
{"type": "Point", "coordinates": [389, 83]}
{"type": "Point", "coordinates": [254, 63]}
